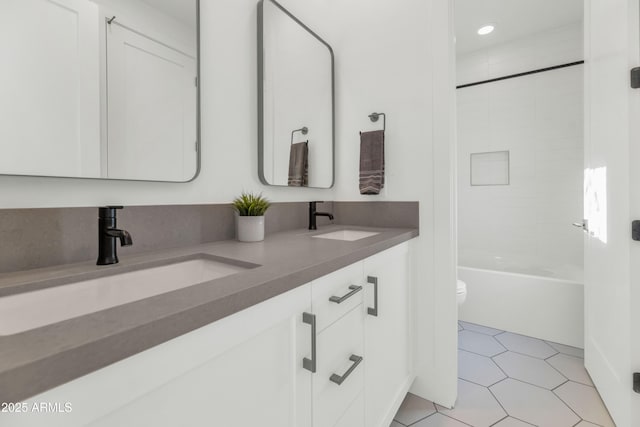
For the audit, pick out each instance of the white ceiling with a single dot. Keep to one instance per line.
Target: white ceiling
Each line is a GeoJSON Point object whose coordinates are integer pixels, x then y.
{"type": "Point", "coordinates": [513, 19]}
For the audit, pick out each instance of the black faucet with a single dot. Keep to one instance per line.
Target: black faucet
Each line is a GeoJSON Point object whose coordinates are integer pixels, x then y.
{"type": "Point", "coordinates": [313, 214]}
{"type": "Point", "coordinates": [107, 235]}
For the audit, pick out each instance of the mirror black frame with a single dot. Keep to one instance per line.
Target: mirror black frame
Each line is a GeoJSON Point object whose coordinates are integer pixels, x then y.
{"type": "Point", "coordinates": [263, 180]}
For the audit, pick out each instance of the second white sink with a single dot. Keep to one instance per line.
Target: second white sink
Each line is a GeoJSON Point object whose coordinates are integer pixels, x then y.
{"type": "Point", "coordinates": [346, 235]}
{"type": "Point", "coordinates": [30, 310]}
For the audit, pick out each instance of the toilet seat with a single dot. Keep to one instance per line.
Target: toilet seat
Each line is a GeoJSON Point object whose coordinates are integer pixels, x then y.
{"type": "Point", "coordinates": [461, 288]}
{"type": "Point", "coordinates": [461, 292]}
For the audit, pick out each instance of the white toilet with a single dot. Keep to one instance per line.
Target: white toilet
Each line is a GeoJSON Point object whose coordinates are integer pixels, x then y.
{"type": "Point", "coordinates": [461, 292]}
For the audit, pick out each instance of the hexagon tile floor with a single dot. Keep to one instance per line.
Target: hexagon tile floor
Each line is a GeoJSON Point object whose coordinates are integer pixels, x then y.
{"type": "Point", "coordinates": [511, 380]}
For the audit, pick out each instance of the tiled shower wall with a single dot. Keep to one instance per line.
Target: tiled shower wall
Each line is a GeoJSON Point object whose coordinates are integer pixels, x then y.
{"type": "Point", "coordinates": [525, 226]}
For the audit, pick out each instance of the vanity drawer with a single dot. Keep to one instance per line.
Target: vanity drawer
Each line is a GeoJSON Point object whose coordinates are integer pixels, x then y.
{"type": "Point", "coordinates": [335, 294]}
{"type": "Point", "coordinates": [340, 352]}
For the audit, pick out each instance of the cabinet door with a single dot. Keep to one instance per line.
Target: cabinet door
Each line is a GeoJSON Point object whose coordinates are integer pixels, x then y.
{"type": "Point", "coordinates": [243, 370]}
{"type": "Point", "coordinates": [387, 334]}
{"type": "Point", "coordinates": [258, 383]}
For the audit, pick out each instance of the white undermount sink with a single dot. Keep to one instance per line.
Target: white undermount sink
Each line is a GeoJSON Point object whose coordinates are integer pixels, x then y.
{"type": "Point", "coordinates": [346, 235]}
{"type": "Point", "coordinates": [30, 310]}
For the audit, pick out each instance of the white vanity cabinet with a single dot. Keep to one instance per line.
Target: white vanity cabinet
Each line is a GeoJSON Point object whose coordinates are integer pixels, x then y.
{"type": "Point", "coordinates": [319, 355]}
{"type": "Point", "coordinates": [388, 368]}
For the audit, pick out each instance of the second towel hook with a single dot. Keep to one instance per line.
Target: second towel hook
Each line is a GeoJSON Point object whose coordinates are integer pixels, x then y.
{"type": "Point", "coordinates": [376, 116]}
{"type": "Point", "coordinates": [303, 130]}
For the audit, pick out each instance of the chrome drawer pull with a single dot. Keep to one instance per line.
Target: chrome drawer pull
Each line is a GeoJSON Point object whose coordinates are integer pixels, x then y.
{"type": "Point", "coordinates": [354, 290]}
{"type": "Point", "coordinates": [340, 379]}
{"type": "Point", "coordinates": [373, 311]}
{"type": "Point", "coordinates": [310, 364]}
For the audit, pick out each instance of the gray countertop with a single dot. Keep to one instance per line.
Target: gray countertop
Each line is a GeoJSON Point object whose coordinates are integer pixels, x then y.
{"type": "Point", "coordinates": [37, 360]}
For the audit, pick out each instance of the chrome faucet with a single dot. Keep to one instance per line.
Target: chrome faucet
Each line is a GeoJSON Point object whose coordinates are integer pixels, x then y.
{"type": "Point", "coordinates": [107, 235]}
{"type": "Point", "coordinates": [313, 214]}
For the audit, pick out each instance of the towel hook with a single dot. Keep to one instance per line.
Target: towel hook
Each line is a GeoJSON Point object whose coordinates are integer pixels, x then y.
{"type": "Point", "coordinates": [303, 130]}
{"type": "Point", "coordinates": [375, 116]}
{"type": "Point", "coordinates": [110, 20]}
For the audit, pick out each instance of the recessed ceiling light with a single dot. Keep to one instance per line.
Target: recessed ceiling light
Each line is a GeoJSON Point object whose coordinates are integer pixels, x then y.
{"type": "Point", "coordinates": [487, 29]}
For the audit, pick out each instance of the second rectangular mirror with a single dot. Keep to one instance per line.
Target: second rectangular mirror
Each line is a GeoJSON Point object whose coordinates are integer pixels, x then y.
{"type": "Point", "coordinates": [296, 101]}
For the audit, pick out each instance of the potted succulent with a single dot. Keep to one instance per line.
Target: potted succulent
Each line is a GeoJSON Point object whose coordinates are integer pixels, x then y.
{"type": "Point", "coordinates": [250, 209]}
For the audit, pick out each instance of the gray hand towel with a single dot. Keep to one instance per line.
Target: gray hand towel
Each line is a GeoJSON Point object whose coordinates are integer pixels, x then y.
{"type": "Point", "coordinates": [371, 162]}
{"type": "Point", "coordinates": [299, 165]}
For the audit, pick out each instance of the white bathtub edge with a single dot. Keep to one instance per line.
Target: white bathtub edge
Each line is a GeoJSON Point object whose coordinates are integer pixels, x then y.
{"type": "Point", "coordinates": [542, 307]}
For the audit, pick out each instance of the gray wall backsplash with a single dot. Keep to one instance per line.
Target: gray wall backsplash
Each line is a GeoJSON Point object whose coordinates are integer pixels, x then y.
{"type": "Point", "coordinates": [34, 238]}
{"type": "Point", "coordinates": [377, 214]}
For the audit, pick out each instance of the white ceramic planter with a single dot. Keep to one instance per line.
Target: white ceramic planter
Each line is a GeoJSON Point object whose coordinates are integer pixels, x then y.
{"type": "Point", "coordinates": [250, 228]}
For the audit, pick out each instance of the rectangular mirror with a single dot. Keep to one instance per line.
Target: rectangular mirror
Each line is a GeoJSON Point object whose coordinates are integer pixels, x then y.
{"type": "Point", "coordinates": [99, 89]}
{"type": "Point", "coordinates": [296, 101]}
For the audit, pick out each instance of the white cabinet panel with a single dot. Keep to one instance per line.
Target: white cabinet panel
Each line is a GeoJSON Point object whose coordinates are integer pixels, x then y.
{"type": "Point", "coordinates": [388, 369]}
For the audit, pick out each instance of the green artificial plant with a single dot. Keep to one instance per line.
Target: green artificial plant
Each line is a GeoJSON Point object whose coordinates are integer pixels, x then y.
{"type": "Point", "coordinates": [249, 204]}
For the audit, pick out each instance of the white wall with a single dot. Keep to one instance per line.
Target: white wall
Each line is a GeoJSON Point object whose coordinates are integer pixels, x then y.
{"type": "Point", "coordinates": [524, 227]}
{"type": "Point", "coordinates": [389, 58]}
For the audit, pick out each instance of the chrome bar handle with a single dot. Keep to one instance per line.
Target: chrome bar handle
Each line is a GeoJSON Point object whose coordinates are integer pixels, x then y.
{"type": "Point", "coordinates": [339, 300]}
{"type": "Point", "coordinates": [340, 379]}
{"type": "Point", "coordinates": [373, 311]}
{"type": "Point", "coordinates": [310, 364]}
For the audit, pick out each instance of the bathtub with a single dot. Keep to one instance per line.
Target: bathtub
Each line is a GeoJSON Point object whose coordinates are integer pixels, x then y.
{"type": "Point", "coordinates": [548, 308]}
